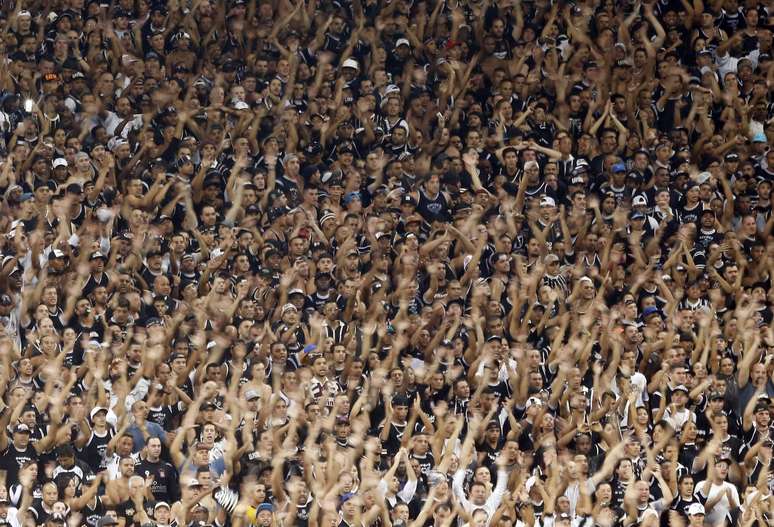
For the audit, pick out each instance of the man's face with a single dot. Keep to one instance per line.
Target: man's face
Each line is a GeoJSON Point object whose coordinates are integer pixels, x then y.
{"type": "Point", "coordinates": [205, 478]}
{"type": "Point", "coordinates": [478, 495]}
{"type": "Point", "coordinates": [126, 467]}
{"type": "Point", "coordinates": [21, 438]}
{"type": "Point", "coordinates": [154, 449]}
{"type": "Point", "coordinates": [66, 462]}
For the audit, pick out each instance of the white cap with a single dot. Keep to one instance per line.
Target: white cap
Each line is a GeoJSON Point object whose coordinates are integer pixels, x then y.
{"type": "Point", "coordinates": [96, 410]}
{"type": "Point", "coordinates": [115, 142]}
{"type": "Point", "coordinates": [351, 63]}
{"type": "Point", "coordinates": [533, 401]}
{"type": "Point", "coordinates": [639, 200]}
{"type": "Point", "coordinates": [695, 508]}
{"type": "Point", "coordinates": [703, 177]}
{"type": "Point", "coordinates": [402, 41]}
{"type": "Point", "coordinates": [60, 162]}
{"type": "Point", "coordinates": [390, 88]}
{"type": "Point", "coordinates": [547, 201]}
{"type": "Point", "coordinates": [241, 105]}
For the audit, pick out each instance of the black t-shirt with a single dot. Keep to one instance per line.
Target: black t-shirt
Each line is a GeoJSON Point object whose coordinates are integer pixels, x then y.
{"type": "Point", "coordinates": [95, 451]}
{"type": "Point", "coordinates": [426, 462]}
{"type": "Point", "coordinates": [128, 511]}
{"type": "Point", "coordinates": [165, 478]}
{"type": "Point", "coordinates": [93, 511]}
{"type": "Point", "coordinates": [689, 214]}
{"type": "Point", "coordinates": [164, 415]}
{"type": "Point", "coordinates": [39, 512]}
{"type": "Point", "coordinates": [681, 505]}
{"type": "Point", "coordinates": [12, 459]}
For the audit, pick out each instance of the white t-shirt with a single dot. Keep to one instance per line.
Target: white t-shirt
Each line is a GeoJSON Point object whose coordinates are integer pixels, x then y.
{"type": "Point", "coordinates": [723, 507]}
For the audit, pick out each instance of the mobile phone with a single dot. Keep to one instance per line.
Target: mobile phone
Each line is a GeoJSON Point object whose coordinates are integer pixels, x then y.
{"type": "Point", "coordinates": [28, 105]}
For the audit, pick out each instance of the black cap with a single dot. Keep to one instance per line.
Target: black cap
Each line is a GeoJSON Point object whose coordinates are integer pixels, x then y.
{"type": "Point", "coordinates": [277, 212]}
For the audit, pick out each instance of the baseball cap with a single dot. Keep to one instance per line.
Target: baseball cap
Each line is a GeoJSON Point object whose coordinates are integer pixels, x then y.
{"type": "Point", "coordinates": [547, 201]}
{"type": "Point", "coordinates": [276, 213]}
{"type": "Point", "coordinates": [695, 508]}
{"type": "Point", "coordinates": [96, 410]}
{"type": "Point", "coordinates": [21, 428]}
{"type": "Point", "coordinates": [408, 200]}
{"type": "Point", "coordinates": [106, 520]}
{"type": "Point", "coordinates": [351, 196]}
{"type": "Point", "coordinates": [639, 200]}
{"type": "Point", "coordinates": [533, 401]}
{"type": "Point", "coordinates": [351, 63]}
{"type": "Point", "coordinates": [619, 167]}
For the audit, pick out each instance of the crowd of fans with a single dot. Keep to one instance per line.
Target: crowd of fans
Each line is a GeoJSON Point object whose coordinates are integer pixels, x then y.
{"type": "Point", "coordinates": [386, 263]}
